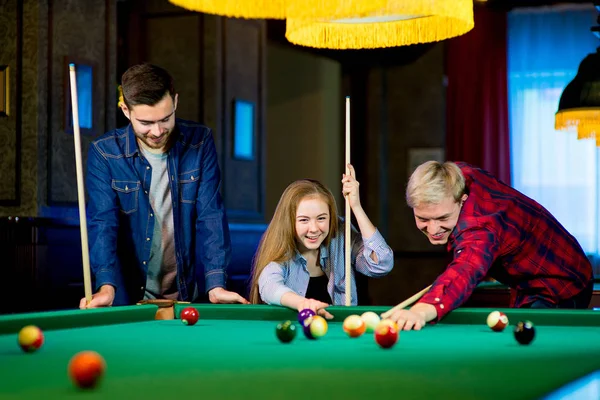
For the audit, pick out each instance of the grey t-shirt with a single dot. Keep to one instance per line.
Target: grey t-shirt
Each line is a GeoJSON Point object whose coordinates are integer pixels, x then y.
{"type": "Point", "coordinates": [162, 266]}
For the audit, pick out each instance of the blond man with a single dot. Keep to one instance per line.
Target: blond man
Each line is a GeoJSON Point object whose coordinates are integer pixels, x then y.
{"type": "Point", "coordinates": [492, 230]}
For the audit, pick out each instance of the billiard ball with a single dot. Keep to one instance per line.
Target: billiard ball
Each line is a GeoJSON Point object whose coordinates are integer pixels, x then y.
{"type": "Point", "coordinates": [497, 321]}
{"type": "Point", "coordinates": [386, 335]}
{"type": "Point", "coordinates": [314, 327]}
{"type": "Point", "coordinates": [86, 368]}
{"type": "Point", "coordinates": [31, 338]}
{"type": "Point", "coordinates": [387, 322]}
{"type": "Point", "coordinates": [285, 331]}
{"type": "Point", "coordinates": [189, 316]}
{"type": "Point", "coordinates": [371, 320]}
{"type": "Point", "coordinates": [354, 326]}
{"type": "Point", "coordinates": [524, 332]}
{"type": "Point", "coordinates": [303, 314]}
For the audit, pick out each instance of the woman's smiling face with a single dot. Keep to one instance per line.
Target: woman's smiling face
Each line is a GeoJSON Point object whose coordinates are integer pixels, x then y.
{"type": "Point", "coordinates": [312, 223]}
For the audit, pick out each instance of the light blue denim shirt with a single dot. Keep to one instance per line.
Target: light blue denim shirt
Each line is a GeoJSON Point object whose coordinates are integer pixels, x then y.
{"type": "Point", "coordinates": [293, 276]}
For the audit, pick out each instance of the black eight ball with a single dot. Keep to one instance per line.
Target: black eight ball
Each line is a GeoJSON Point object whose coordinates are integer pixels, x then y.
{"type": "Point", "coordinates": [524, 332]}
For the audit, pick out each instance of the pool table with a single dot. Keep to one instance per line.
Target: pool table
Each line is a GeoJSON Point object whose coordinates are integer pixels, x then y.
{"type": "Point", "coordinates": [233, 353]}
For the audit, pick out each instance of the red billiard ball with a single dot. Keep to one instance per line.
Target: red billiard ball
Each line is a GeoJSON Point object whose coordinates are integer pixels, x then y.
{"type": "Point", "coordinates": [497, 321]}
{"type": "Point", "coordinates": [189, 316]}
{"type": "Point", "coordinates": [86, 368]}
{"type": "Point", "coordinates": [31, 338]}
{"type": "Point", "coordinates": [386, 335]}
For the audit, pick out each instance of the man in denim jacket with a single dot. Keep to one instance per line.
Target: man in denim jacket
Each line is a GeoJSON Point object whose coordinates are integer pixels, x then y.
{"type": "Point", "coordinates": [156, 221]}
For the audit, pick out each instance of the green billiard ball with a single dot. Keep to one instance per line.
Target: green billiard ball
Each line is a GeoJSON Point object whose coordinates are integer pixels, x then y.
{"type": "Point", "coordinates": [285, 331]}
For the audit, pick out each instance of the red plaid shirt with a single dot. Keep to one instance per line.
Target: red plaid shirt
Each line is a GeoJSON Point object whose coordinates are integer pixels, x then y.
{"type": "Point", "coordinates": [503, 234]}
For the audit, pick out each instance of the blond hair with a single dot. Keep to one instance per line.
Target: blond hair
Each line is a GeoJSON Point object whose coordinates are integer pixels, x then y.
{"type": "Point", "coordinates": [433, 181]}
{"type": "Point", "coordinates": [278, 243]}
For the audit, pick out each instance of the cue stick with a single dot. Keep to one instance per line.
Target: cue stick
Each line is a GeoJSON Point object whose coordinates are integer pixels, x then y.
{"type": "Point", "coordinates": [87, 283]}
{"type": "Point", "coordinates": [405, 303]}
{"type": "Point", "coordinates": [347, 236]}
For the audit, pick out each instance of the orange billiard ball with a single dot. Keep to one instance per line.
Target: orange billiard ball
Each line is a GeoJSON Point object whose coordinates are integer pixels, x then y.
{"type": "Point", "coordinates": [86, 368]}
{"type": "Point", "coordinates": [189, 316]}
{"type": "Point", "coordinates": [31, 338]}
{"type": "Point", "coordinates": [354, 326]}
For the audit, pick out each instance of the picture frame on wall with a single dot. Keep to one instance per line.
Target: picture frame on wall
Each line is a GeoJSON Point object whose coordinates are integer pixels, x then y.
{"type": "Point", "coordinates": [4, 91]}
{"type": "Point", "coordinates": [419, 155]}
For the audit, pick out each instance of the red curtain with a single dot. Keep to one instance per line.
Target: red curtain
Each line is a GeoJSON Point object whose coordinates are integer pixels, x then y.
{"type": "Point", "coordinates": [477, 128]}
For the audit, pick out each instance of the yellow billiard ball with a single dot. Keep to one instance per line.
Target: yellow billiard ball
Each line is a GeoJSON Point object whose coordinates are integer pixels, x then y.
{"type": "Point", "coordinates": [315, 327]}
{"type": "Point", "coordinates": [31, 338]}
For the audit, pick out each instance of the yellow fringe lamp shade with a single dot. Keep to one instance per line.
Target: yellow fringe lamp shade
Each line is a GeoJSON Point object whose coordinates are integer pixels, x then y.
{"type": "Point", "coordinates": [249, 9]}
{"type": "Point", "coordinates": [579, 105]}
{"type": "Point", "coordinates": [368, 24]}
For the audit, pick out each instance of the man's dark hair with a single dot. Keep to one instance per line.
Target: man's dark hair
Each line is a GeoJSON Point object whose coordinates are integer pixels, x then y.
{"type": "Point", "coordinates": [146, 84]}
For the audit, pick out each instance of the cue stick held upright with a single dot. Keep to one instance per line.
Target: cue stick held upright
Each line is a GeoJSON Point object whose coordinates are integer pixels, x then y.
{"type": "Point", "coordinates": [347, 221]}
{"type": "Point", "coordinates": [87, 283]}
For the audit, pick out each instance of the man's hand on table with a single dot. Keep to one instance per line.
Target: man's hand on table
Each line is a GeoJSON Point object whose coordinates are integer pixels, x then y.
{"type": "Point", "coordinates": [222, 296]}
{"type": "Point", "coordinates": [415, 318]}
{"type": "Point", "coordinates": [103, 298]}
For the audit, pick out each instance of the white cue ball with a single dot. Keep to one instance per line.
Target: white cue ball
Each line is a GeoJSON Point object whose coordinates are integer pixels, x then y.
{"type": "Point", "coordinates": [497, 321]}
{"type": "Point", "coordinates": [371, 320]}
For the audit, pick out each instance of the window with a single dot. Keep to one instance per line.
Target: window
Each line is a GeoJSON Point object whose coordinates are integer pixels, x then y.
{"type": "Point", "coordinates": [545, 47]}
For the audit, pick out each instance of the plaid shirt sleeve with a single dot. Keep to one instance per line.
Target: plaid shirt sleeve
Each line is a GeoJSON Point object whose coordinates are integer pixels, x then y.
{"type": "Point", "coordinates": [474, 252]}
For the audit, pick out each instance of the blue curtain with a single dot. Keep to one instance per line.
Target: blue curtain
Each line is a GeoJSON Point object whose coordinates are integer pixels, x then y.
{"type": "Point", "coordinates": [545, 47]}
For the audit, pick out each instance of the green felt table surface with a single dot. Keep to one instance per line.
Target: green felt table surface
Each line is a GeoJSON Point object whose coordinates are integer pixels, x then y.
{"type": "Point", "coordinates": [233, 353]}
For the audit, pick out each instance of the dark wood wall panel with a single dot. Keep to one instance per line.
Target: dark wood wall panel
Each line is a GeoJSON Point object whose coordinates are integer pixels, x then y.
{"type": "Point", "coordinates": [78, 34]}
{"type": "Point", "coordinates": [180, 55]}
{"type": "Point", "coordinates": [212, 95]}
{"type": "Point", "coordinates": [11, 14]}
{"type": "Point", "coordinates": [244, 65]}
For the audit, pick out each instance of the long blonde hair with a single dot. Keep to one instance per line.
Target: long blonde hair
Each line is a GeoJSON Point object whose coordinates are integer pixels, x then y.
{"type": "Point", "coordinates": [278, 243]}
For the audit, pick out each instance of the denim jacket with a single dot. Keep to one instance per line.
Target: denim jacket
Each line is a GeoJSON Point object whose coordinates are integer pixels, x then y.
{"type": "Point", "coordinates": [121, 220]}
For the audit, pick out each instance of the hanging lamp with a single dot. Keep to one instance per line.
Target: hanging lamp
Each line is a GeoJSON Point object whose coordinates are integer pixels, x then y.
{"type": "Point", "coordinates": [355, 24]}
{"type": "Point", "coordinates": [579, 104]}
{"type": "Point", "coordinates": [249, 9]}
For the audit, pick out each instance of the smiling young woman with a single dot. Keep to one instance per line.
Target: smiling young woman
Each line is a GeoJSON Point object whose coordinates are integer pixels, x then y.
{"type": "Point", "coordinates": [300, 259]}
